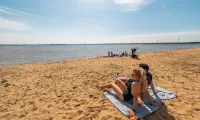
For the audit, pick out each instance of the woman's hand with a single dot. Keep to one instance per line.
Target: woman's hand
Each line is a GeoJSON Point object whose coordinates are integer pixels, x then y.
{"type": "Point", "coordinates": [131, 113]}
{"type": "Point", "coordinates": [140, 102]}
{"type": "Point", "coordinates": [155, 91]}
{"type": "Point", "coordinates": [156, 104]}
{"type": "Point", "coordinates": [134, 118]}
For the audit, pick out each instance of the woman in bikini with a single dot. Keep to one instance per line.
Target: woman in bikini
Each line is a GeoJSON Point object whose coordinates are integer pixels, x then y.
{"type": "Point", "coordinates": [127, 89]}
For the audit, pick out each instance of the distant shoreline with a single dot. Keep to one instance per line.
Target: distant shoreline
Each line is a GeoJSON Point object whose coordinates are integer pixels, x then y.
{"type": "Point", "coordinates": [93, 57]}
{"type": "Point", "coordinates": [110, 43]}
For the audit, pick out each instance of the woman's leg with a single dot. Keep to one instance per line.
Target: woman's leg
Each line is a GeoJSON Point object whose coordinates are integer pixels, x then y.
{"type": "Point", "coordinates": [124, 79]}
{"type": "Point", "coordinates": [121, 84]}
{"type": "Point", "coordinates": [116, 88]}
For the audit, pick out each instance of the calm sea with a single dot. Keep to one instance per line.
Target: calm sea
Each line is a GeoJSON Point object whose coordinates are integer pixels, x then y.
{"type": "Point", "coordinates": [17, 54]}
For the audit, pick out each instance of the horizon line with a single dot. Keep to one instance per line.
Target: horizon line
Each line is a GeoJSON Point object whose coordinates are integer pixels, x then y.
{"type": "Point", "coordinates": [112, 43]}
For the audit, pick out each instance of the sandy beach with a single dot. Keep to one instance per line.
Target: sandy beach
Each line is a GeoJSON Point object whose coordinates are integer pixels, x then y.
{"type": "Point", "coordinates": [66, 90]}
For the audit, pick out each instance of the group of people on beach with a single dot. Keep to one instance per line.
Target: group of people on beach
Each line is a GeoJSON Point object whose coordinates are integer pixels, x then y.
{"type": "Point", "coordinates": [111, 54]}
{"type": "Point", "coordinates": [134, 87]}
{"type": "Point", "coordinates": [133, 54]}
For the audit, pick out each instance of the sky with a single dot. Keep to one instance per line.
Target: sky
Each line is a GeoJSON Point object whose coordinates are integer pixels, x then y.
{"type": "Point", "coordinates": [98, 21]}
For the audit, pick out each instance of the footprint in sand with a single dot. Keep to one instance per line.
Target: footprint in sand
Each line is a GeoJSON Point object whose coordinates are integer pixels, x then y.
{"type": "Point", "coordinates": [196, 109]}
{"type": "Point", "coordinates": [4, 83]}
{"type": "Point", "coordinates": [64, 117]}
{"type": "Point", "coordinates": [117, 118]}
{"type": "Point", "coordinates": [181, 82]}
{"type": "Point", "coordinates": [82, 102]}
{"type": "Point", "coordinates": [65, 100]}
{"type": "Point", "coordinates": [186, 88]}
{"type": "Point", "coordinates": [106, 117]}
{"type": "Point", "coordinates": [50, 106]}
{"type": "Point", "coordinates": [77, 105]}
{"type": "Point", "coordinates": [68, 108]}
{"type": "Point", "coordinates": [74, 87]}
{"type": "Point", "coordinates": [102, 101]}
{"type": "Point", "coordinates": [21, 116]}
{"type": "Point", "coordinates": [34, 108]}
{"type": "Point", "coordinates": [77, 114]}
{"type": "Point", "coordinates": [91, 96]}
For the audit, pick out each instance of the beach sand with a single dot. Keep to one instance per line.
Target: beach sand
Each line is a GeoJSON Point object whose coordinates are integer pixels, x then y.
{"type": "Point", "coordinates": [67, 89]}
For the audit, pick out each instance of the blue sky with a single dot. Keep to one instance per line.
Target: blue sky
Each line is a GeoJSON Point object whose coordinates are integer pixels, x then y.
{"type": "Point", "coordinates": [98, 21]}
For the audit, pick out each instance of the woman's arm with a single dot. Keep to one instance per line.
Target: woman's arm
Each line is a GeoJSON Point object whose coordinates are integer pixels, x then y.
{"type": "Point", "coordinates": [150, 99]}
{"type": "Point", "coordinates": [135, 101]}
{"type": "Point", "coordinates": [135, 90]}
{"type": "Point", "coordinates": [149, 96]}
{"type": "Point", "coordinates": [152, 87]}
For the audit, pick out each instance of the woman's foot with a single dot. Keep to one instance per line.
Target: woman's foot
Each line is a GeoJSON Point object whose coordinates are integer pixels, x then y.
{"type": "Point", "coordinates": [101, 86]}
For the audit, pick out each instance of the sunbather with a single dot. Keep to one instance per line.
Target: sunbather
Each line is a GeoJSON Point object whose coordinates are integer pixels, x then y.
{"type": "Point", "coordinates": [127, 88]}
{"type": "Point", "coordinates": [148, 75]}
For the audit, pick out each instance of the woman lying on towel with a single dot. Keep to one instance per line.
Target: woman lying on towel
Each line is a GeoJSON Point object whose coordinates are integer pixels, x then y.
{"type": "Point", "coordinates": [127, 89]}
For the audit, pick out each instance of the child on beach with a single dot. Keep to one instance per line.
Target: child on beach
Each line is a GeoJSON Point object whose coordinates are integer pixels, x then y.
{"type": "Point", "coordinates": [108, 54]}
{"type": "Point", "coordinates": [126, 88]}
{"type": "Point", "coordinates": [112, 55]}
{"type": "Point", "coordinates": [148, 75]}
{"type": "Point", "coordinates": [126, 54]}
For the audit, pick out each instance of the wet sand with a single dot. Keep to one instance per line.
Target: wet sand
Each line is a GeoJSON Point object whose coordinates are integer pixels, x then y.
{"type": "Point", "coordinates": [67, 89]}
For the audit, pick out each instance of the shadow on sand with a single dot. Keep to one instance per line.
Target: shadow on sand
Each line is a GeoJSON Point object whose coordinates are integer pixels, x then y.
{"type": "Point", "coordinates": [161, 114]}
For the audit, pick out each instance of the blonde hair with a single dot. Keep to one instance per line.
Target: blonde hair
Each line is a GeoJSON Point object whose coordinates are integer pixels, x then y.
{"type": "Point", "coordinates": [143, 79]}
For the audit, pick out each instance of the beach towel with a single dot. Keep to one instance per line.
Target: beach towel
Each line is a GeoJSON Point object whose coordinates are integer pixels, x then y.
{"type": "Point", "coordinates": [162, 93]}
{"type": "Point", "coordinates": [142, 110]}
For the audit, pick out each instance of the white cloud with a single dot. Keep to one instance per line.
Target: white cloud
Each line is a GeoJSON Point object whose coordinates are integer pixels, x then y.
{"type": "Point", "coordinates": [13, 25]}
{"type": "Point", "coordinates": [19, 38]}
{"type": "Point", "coordinates": [172, 34]}
{"type": "Point", "coordinates": [22, 15]}
{"type": "Point", "coordinates": [9, 11]}
{"type": "Point", "coordinates": [164, 37]}
{"type": "Point", "coordinates": [92, 1]}
{"type": "Point", "coordinates": [132, 5]}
